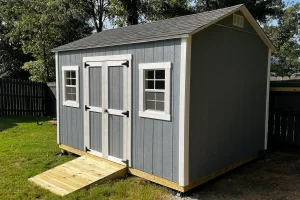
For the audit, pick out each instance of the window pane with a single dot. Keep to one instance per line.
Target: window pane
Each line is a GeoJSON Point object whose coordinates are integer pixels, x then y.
{"type": "Point", "coordinates": [149, 85]}
{"type": "Point", "coordinates": [67, 74]}
{"type": "Point", "coordinates": [73, 97]}
{"type": "Point", "coordinates": [149, 74]}
{"type": "Point", "coordinates": [73, 81]}
{"type": "Point", "coordinates": [160, 74]}
{"type": "Point", "coordinates": [73, 74]}
{"type": "Point", "coordinates": [160, 85]}
{"type": "Point", "coordinates": [160, 106]}
{"type": "Point", "coordinates": [160, 96]}
{"type": "Point", "coordinates": [150, 105]}
{"type": "Point", "coordinates": [68, 81]}
{"type": "Point", "coordinates": [150, 96]}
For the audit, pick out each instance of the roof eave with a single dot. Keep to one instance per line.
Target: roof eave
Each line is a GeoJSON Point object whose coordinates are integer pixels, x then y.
{"type": "Point", "coordinates": [122, 43]}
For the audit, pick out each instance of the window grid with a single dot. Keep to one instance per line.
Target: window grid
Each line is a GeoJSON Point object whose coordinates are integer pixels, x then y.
{"type": "Point", "coordinates": [154, 104]}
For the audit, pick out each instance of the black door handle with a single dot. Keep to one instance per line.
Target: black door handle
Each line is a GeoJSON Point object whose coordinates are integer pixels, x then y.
{"type": "Point", "coordinates": [87, 108]}
{"type": "Point", "coordinates": [106, 111]}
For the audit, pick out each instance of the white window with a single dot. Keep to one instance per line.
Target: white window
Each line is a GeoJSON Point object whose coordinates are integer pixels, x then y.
{"type": "Point", "coordinates": [154, 90]}
{"type": "Point", "coordinates": [70, 84]}
{"type": "Point", "coordinates": [238, 20]}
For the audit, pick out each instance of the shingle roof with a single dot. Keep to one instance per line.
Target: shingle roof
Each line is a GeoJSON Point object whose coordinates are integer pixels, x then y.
{"type": "Point", "coordinates": [170, 28]}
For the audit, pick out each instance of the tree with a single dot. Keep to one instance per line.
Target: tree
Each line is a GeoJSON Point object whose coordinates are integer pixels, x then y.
{"type": "Point", "coordinates": [157, 9]}
{"type": "Point", "coordinates": [45, 25]}
{"type": "Point", "coordinates": [285, 36]}
{"type": "Point", "coordinates": [97, 10]}
{"type": "Point", "coordinates": [260, 9]}
{"type": "Point", "coordinates": [125, 12]}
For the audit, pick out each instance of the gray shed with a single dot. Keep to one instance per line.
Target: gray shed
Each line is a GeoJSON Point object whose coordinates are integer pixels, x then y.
{"type": "Point", "coordinates": [180, 101]}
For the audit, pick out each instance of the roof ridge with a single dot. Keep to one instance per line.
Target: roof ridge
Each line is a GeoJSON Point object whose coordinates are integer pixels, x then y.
{"type": "Point", "coordinates": [173, 18]}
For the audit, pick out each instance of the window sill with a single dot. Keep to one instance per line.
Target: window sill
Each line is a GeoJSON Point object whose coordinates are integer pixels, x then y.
{"type": "Point", "coordinates": [155, 115]}
{"type": "Point", "coordinates": [71, 104]}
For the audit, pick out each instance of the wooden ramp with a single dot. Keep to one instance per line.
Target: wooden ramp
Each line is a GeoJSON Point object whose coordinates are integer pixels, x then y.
{"type": "Point", "coordinates": [79, 173]}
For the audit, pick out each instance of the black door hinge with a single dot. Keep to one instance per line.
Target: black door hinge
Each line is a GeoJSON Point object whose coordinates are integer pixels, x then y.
{"type": "Point", "coordinates": [126, 113]}
{"type": "Point", "coordinates": [87, 149]}
{"type": "Point", "coordinates": [86, 107]}
{"type": "Point", "coordinates": [126, 63]}
{"type": "Point", "coordinates": [86, 65]}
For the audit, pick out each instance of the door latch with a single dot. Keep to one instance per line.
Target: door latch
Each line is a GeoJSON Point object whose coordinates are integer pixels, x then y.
{"type": "Point", "coordinates": [126, 113]}
{"type": "Point", "coordinates": [86, 107]}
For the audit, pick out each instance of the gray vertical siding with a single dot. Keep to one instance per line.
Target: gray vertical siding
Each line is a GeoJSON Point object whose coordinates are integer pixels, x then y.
{"type": "Point", "coordinates": [154, 142]}
{"type": "Point", "coordinates": [228, 98]}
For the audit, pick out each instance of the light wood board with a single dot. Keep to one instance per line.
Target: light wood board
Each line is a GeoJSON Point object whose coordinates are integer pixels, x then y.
{"type": "Point", "coordinates": [79, 173]}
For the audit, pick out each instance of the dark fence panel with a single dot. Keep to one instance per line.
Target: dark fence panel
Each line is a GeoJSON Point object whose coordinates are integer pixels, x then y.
{"type": "Point", "coordinates": [284, 115]}
{"type": "Point", "coordinates": [22, 98]}
{"type": "Point", "coordinates": [51, 99]}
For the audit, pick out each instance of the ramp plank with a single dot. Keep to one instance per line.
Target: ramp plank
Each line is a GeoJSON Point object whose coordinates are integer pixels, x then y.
{"type": "Point", "coordinates": [79, 173]}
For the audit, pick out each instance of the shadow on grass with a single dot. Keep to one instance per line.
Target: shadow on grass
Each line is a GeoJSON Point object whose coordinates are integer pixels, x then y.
{"type": "Point", "coordinates": [7, 122]}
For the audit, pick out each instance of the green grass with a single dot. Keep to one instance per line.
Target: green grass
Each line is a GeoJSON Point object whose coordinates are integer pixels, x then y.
{"type": "Point", "coordinates": [27, 149]}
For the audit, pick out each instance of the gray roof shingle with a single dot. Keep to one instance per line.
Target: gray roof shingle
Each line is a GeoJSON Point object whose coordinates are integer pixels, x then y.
{"type": "Point", "coordinates": [148, 32]}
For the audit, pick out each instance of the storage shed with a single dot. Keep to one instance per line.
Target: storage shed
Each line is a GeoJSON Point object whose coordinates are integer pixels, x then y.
{"type": "Point", "coordinates": [180, 101]}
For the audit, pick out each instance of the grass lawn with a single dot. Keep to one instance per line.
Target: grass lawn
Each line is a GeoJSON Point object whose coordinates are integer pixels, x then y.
{"type": "Point", "coordinates": [27, 149]}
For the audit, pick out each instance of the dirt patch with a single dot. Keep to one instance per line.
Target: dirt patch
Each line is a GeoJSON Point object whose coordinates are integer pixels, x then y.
{"type": "Point", "coordinates": [277, 177]}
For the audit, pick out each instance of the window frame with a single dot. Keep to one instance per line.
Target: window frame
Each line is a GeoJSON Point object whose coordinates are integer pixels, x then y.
{"type": "Point", "coordinates": [70, 103]}
{"type": "Point", "coordinates": [161, 115]}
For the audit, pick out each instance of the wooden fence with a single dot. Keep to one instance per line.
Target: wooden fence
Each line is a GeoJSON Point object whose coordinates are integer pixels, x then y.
{"type": "Point", "coordinates": [22, 98]}
{"type": "Point", "coordinates": [284, 114]}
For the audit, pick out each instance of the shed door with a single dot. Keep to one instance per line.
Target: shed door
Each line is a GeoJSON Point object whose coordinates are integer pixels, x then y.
{"type": "Point", "coordinates": [93, 89]}
{"type": "Point", "coordinates": [107, 109]}
{"type": "Point", "coordinates": [116, 109]}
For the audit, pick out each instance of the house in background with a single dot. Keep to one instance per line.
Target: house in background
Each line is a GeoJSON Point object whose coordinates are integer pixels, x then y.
{"type": "Point", "coordinates": [180, 101]}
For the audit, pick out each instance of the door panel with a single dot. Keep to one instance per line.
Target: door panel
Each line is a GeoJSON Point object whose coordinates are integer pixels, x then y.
{"type": "Point", "coordinates": [116, 136]}
{"type": "Point", "coordinates": [96, 131]}
{"type": "Point", "coordinates": [95, 86]}
{"type": "Point", "coordinates": [116, 101]}
{"type": "Point", "coordinates": [93, 97]}
{"type": "Point", "coordinates": [115, 87]}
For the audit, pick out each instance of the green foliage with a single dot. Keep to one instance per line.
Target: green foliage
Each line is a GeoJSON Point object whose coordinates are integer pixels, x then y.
{"type": "Point", "coordinates": [285, 36]}
{"type": "Point", "coordinates": [37, 70]}
{"type": "Point", "coordinates": [157, 10]}
{"type": "Point", "coordinates": [41, 25]}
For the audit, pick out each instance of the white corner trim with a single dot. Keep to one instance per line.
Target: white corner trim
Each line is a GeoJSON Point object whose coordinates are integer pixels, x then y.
{"type": "Point", "coordinates": [267, 100]}
{"type": "Point", "coordinates": [57, 97]}
{"type": "Point", "coordinates": [74, 104]}
{"type": "Point", "coordinates": [184, 109]}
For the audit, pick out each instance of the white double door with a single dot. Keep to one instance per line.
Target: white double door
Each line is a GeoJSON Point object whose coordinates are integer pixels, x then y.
{"type": "Point", "coordinates": [106, 108]}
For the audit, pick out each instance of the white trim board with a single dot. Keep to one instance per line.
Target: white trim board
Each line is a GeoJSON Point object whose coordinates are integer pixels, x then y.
{"type": "Point", "coordinates": [57, 97]}
{"type": "Point", "coordinates": [267, 100]}
{"type": "Point", "coordinates": [184, 111]}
